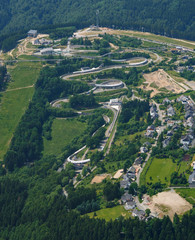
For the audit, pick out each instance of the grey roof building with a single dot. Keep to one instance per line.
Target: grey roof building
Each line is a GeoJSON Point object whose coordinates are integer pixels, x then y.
{"type": "Point", "coordinates": [192, 177]}
{"type": "Point", "coordinates": [130, 205]}
{"type": "Point", "coordinates": [126, 198]}
{"type": "Point", "coordinates": [32, 33]}
{"type": "Point", "coordinates": [138, 213]}
{"type": "Point", "coordinates": [125, 184]}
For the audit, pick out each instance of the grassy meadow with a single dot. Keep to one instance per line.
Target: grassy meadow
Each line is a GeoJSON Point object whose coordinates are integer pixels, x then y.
{"type": "Point", "coordinates": [161, 169]}
{"type": "Point", "coordinates": [63, 132]}
{"type": "Point", "coordinates": [111, 213]}
{"type": "Point", "coordinates": [15, 100]}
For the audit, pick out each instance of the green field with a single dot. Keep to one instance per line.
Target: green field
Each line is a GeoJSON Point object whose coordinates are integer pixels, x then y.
{"type": "Point", "coordinates": [13, 106]}
{"type": "Point", "coordinates": [161, 169]}
{"type": "Point", "coordinates": [15, 100]}
{"type": "Point", "coordinates": [163, 39]}
{"type": "Point", "coordinates": [63, 132]}
{"type": "Point", "coordinates": [24, 74]}
{"type": "Point", "coordinates": [111, 213]}
{"type": "Point", "coordinates": [187, 193]}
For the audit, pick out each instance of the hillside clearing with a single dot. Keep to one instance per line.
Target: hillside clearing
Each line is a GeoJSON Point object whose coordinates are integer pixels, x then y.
{"type": "Point", "coordinates": [158, 80]}
{"type": "Point", "coordinates": [63, 132]}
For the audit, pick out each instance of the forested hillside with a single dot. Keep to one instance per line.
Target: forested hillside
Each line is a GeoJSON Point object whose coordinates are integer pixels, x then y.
{"type": "Point", "coordinates": [176, 18]}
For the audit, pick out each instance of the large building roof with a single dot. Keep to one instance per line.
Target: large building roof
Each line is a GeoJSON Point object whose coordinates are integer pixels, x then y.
{"type": "Point", "coordinates": [32, 32]}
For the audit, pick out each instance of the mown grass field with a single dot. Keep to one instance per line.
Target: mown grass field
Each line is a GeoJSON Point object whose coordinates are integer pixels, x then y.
{"type": "Point", "coordinates": [111, 213]}
{"type": "Point", "coordinates": [24, 74]}
{"type": "Point", "coordinates": [187, 193]}
{"type": "Point", "coordinates": [63, 132]}
{"type": "Point", "coordinates": [15, 100]}
{"type": "Point", "coordinates": [161, 169]}
{"type": "Point", "coordinates": [13, 106]}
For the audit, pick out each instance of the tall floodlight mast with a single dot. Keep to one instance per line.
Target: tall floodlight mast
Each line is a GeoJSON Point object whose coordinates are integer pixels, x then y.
{"type": "Point", "coordinates": [97, 18]}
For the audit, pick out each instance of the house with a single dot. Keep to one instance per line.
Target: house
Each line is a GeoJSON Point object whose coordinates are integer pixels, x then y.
{"type": "Point", "coordinates": [130, 205]}
{"type": "Point", "coordinates": [32, 33]}
{"type": "Point", "coordinates": [170, 111]}
{"type": "Point", "coordinates": [138, 213]}
{"type": "Point", "coordinates": [192, 177]}
{"type": "Point", "coordinates": [175, 127]}
{"type": "Point", "coordinates": [131, 176]}
{"type": "Point", "coordinates": [151, 129]}
{"type": "Point", "coordinates": [190, 133]}
{"type": "Point", "coordinates": [143, 149]}
{"type": "Point", "coordinates": [182, 99]}
{"type": "Point", "coordinates": [36, 42]}
{"type": "Point", "coordinates": [132, 170]}
{"type": "Point", "coordinates": [147, 144]}
{"type": "Point", "coordinates": [166, 101]}
{"type": "Point", "coordinates": [125, 184]}
{"type": "Point", "coordinates": [166, 142]}
{"type": "Point", "coordinates": [153, 112]}
{"type": "Point", "coordinates": [185, 147]}
{"type": "Point", "coordinates": [169, 133]}
{"type": "Point", "coordinates": [149, 134]}
{"type": "Point", "coordinates": [190, 122]}
{"type": "Point", "coordinates": [188, 114]}
{"type": "Point", "coordinates": [47, 51]}
{"type": "Point", "coordinates": [185, 140]}
{"type": "Point", "coordinates": [126, 198]}
{"type": "Point", "coordinates": [170, 123]}
{"type": "Point", "coordinates": [138, 161]}
{"type": "Point", "coordinates": [44, 41]}
{"type": "Point", "coordinates": [125, 177]}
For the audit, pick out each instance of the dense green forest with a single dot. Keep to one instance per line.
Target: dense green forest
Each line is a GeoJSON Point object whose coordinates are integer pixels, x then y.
{"type": "Point", "coordinates": [175, 18]}
{"type": "Point", "coordinates": [35, 209]}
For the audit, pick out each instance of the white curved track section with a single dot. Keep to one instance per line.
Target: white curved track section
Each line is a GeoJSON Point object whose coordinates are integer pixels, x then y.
{"type": "Point", "coordinates": [138, 63]}
{"type": "Point", "coordinates": [80, 161]}
{"type": "Point", "coordinates": [115, 84]}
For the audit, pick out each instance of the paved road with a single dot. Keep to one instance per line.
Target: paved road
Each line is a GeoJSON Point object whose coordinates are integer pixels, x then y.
{"type": "Point", "coordinates": [161, 129]}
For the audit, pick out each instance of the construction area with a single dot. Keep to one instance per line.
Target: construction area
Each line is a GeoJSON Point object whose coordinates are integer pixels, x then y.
{"type": "Point", "coordinates": [160, 81]}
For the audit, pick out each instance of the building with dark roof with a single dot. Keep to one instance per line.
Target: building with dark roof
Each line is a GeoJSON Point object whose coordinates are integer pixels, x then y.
{"type": "Point", "coordinates": [32, 33]}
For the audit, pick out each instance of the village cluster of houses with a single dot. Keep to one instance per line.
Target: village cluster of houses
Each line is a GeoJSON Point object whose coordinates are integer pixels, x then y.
{"type": "Point", "coordinates": [129, 204]}
{"type": "Point", "coordinates": [187, 68]}
{"type": "Point", "coordinates": [128, 200]}
{"type": "Point", "coordinates": [189, 122]}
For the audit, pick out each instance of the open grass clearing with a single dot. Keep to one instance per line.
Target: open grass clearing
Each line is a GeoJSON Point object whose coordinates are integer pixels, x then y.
{"type": "Point", "coordinates": [121, 139]}
{"type": "Point", "coordinates": [111, 213]}
{"type": "Point", "coordinates": [63, 132]}
{"type": "Point", "coordinates": [161, 170]}
{"type": "Point", "coordinates": [24, 74]}
{"type": "Point", "coordinates": [14, 103]}
{"type": "Point", "coordinates": [13, 106]}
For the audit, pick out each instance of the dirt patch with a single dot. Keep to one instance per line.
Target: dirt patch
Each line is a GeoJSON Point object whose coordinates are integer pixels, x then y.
{"type": "Point", "coordinates": [99, 178]}
{"type": "Point", "coordinates": [168, 203]}
{"type": "Point", "coordinates": [118, 174]}
{"type": "Point", "coordinates": [159, 81]}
